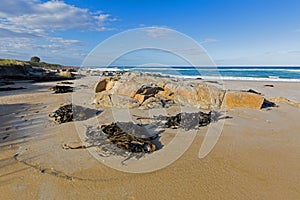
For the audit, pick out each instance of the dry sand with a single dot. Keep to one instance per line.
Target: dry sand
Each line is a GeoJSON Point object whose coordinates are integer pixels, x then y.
{"type": "Point", "coordinates": [256, 157]}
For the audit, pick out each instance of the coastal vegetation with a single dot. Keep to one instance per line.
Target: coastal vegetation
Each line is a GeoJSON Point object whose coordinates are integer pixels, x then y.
{"type": "Point", "coordinates": [33, 62]}
{"type": "Point", "coordinates": [34, 69]}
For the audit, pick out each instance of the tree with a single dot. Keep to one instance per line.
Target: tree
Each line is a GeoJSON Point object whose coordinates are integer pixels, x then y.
{"type": "Point", "coordinates": [35, 59]}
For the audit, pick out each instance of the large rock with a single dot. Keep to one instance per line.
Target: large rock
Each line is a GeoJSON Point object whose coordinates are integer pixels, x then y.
{"type": "Point", "coordinates": [66, 74]}
{"type": "Point", "coordinates": [238, 99]}
{"type": "Point", "coordinates": [199, 95]}
{"type": "Point", "coordinates": [105, 84]}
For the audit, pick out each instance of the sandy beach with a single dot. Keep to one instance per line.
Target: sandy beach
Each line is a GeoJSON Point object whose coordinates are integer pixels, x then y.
{"type": "Point", "coordinates": [256, 156]}
{"type": "Point", "coordinates": [149, 100]}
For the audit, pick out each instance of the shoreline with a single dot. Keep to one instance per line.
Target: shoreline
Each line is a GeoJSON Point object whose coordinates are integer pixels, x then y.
{"type": "Point", "coordinates": [191, 77]}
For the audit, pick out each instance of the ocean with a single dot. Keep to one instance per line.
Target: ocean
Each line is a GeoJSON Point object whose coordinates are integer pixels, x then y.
{"type": "Point", "coordinates": [254, 73]}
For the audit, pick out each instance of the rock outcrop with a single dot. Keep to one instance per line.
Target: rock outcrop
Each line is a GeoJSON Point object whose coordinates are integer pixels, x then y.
{"type": "Point", "coordinates": [146, 91]}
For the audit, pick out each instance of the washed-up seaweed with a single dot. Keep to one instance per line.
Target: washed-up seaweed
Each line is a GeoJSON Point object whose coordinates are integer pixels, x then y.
{"type": "Point", "coordinates": [63, 114]}
{"type": "Point", "coordinates": [69, 112]}
{"type": "Point", "coordinates": [127, 139]}
{"type": "Point", "coordinates": [185, 120]}
{"type": "Point", "coordinates": [66, 82]}
{"type": "Point", "coordinates": [96, 137]}
{"type": "Point", "coordinates": [62, 89]}
{"type": "Point", "coordinates": [125, 135]}
{"type": "Point", "coordinates": [116, 139]}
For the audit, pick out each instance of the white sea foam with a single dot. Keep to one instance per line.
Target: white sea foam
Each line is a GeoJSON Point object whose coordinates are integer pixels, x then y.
{"type": "Point", "coordinates": [104, 69]}
{"type": "Point", "coordinates": [196, 68]}
{"type": "Point", "coordinates": [231, 78]}
{"type": "Point", "coordinates": [294, 70]}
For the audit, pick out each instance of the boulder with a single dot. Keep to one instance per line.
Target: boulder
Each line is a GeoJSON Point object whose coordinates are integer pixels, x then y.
{"type": "Point", "coordinates": [66, 74]}
{"type": "Point", "coordinates": [104, 85]}
{"type": "Point", "coordinates": [200, 95]}
{"type": "Point", "coordinates": [235, 99]}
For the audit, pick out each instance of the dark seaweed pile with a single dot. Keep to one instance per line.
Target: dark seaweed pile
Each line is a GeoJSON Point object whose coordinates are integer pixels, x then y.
{"type": "Point", "coordinates": [63, 114]}
{"type": "Point", "coordinates": [69, 112]}
{"type": "Point", "coordinates": [112, 140]}
{"type": "Point", "coordinates": [187, 121]}
{"type": "Point", "coordinates": [127, 138]}
{"type": "Point", "coordinates": [62, 89]}
{"type": "Point", "coordinates": [66, 82]}
{"type": "Point", "coordinates": [124, 138]}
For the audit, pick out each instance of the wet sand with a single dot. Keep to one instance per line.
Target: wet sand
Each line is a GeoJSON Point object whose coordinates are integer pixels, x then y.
{"type": "Point", "coordinates": [256, 156]}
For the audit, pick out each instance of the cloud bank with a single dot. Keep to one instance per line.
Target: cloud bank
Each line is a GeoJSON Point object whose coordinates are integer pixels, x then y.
{"type": "Point", "coordinates": [30, 24]}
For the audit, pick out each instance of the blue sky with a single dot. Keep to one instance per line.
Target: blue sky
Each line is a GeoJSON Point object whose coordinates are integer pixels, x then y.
{"type": "Point", "coordinates": [234, 32]}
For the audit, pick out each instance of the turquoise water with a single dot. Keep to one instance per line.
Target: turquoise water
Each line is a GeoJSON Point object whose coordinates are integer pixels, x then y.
{"type": "Point", "coordinates": [226, 73]}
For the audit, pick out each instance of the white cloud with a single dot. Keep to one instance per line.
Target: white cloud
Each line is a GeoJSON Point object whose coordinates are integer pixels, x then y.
{"type": "Point", "coordinates": [6, 33]}
{"type": "Point", "coordinates": [24, 48]}
{"type": "Point", "coordinates": [158, 32]}
{"type": "Point", "coordinates": [36, 19]}
{"type": "Point", "coordinates": [64, 41]}
{"type": "Point", "coordinates": [50, 15]}
{"type": "Point", "coordinates": [27, 26]}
